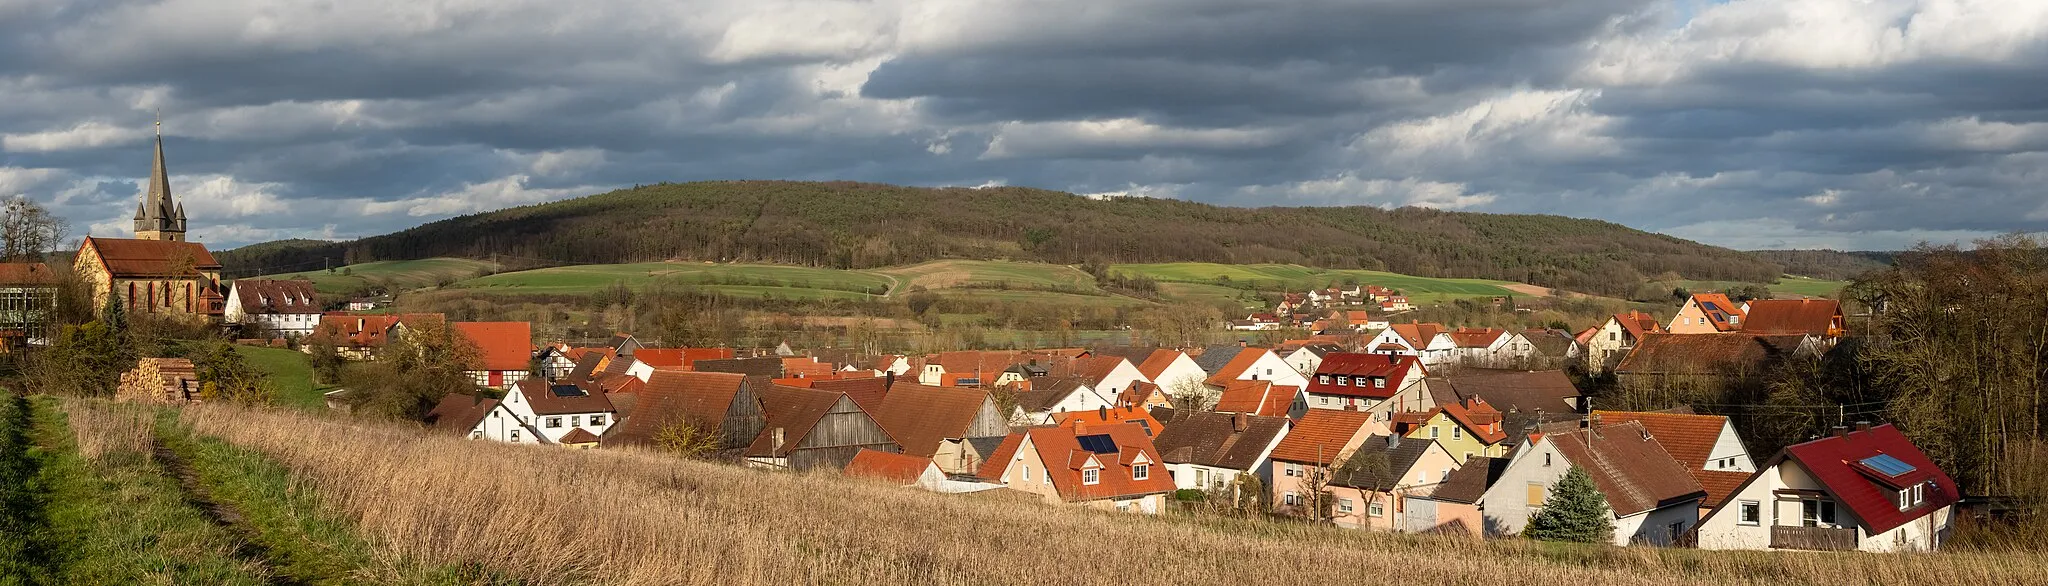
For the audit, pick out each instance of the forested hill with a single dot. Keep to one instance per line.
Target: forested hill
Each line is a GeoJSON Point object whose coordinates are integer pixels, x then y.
{"type": "Point", "coordinates": [857, 225]}
{"type": "Point", "coordinates": [1828, 264]}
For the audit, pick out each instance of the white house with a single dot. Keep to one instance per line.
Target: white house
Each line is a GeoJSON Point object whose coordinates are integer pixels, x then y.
{"type": "Point", "coordinates": [1172, 370]}
{"type": "Point", "coordinates": [1049, 395]}
{"type": "Point", "coordinates": [481, 418]}
{"type": "Point", "coordinates": [556, 410]}
{"type": "Point", "coordinates": [284, 307]}
{"type": "Point", "coordinates": [1209, 451]}
{"type": "Point", "coordinates": [1309, 356]}
{"type": "Point", "coordinates": [1870, 490]}
{"type": "Point", "coordinates": [1430, 342]}
{"type": "Point", "coordinates": [554, 364]}
{"type": "Point", "coordinates": [1653, 499]}
{"type": "Point", "coordinates": [1108, 376]}
{"type": "Point", "coordinates": [1256, 364]}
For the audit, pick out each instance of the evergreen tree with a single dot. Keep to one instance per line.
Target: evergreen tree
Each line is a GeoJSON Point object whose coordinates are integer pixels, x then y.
{"type": "Point", "coordinates": [1576, 511]}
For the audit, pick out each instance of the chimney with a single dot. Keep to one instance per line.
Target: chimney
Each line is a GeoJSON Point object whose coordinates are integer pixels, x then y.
{"type": "Point", "coordinates": [1393, 440]}
{"type": "Point", "coordinates": [1080, 427]}
{"type": "Point", "coordinates": [1862, 426]}
{"type": "Point", "coordinates": [1586, 421]}
{"type": "Point", "coordinates": [1102, 412]}
{"type": "Point", "coordinates": [888, 380]}
{"type": "Point", "coordinates": [1842, 431]}
{"type": "Point", "coordinates": [1239, 421]}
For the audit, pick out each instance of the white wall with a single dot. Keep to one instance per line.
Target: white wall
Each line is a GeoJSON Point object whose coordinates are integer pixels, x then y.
{"type": "Point", "coordinates": [1507, 511]}
{"type": "Point", "coordinates": [1653, 527]}
{"type": "Point", "coordinates": [1727, 446]}
{"type": "Point", "coordinates": [1271, 368]}
{"type": "Point", "coordinates": [1081, 399]}
{"type": "Point", "coordinates": [1182, 373]}
{"type": "Point", "coordinates": [515, 402]}
{"type": "Point", "coordinates": [1120, 379]}
{"type": "Point", "coordinates": [500, 424]}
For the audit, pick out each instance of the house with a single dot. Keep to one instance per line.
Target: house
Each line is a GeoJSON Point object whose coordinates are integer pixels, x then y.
{"type": "Point", "coordinates": [809, 428]}
{"type": "Point", "coordinates": [1511, 391]}
{"type": "Point", "coordinates": [1319, 441]}
{"type": "Point", "coordinates": [1869, 489]}
{"type": "Point", "coordinates": [553, 362]}
{"type": "Point", "coordinates": [1107, 375]}
{"type": "Point", "coordinates": [1038, 399]}
{"type": "Point", "coordinates": [1394, 303]}
{"type": "Point", "coordinates": [1467, 429]}
{"type": "Point", "coordinates": [1617, 337]}
{"type": "Point", "coordinates": [939, 422]}
{"type": "Point", "coordinates": [1262, 398]}
{"type": "Point", "coordinates": [159, 380]}
{"type": "Point", "coordinates": [1362, 381]}
{"type": "Point", "coordinates": [1255, 364]}
{"type": "Point", "coordinates": [806, 367]}
{"type": "Point", "coordinates": [1821, 318]}
{"type": "Point", "coordinates": [28, 292]}
{"type": "Point", "coordinates": [1109, 467]}
{"type": "Point", "coordinates": [1705, 444]}
{"type": "Point", "coordinates": [710, 402]}
{"type": "Point", "coordinates": [683, 358]}
{"type": "Point", "coordinates": [894, 468]}
{"type": "Point", "coordinates": [1212, 451]}
{"type": "Point", "coordinates": [1143, 395]}
{"type": "Point", "coordinates": [1707, 313]}
{"type": "Point", "coordinates": [1708, 361]}
{"type": "Point", "coordinates": [157, 272]}
{"type": "Point", "coordinates": [1309, 357]}
{"type": "Point", "coordinates": [504, 351]}
{"type": "Point", "coordinates": [1485, 347]}
{"type": "Point", "coordinates": [1138, 416]}
{"type": "Point", "coordinates": [763, 366]}
{"type": "Point", "coordinates": [1370, 488]}
{"type": "Point", "coordinates": [1653, 499]}
{"type": "Point", "coordinates": [1430, 342]}
{"type": "Point", "coordinates": [557, 409]}
{"type": "Point", "coordinates": [480, 418]}
{"type": "Point", "coordinates": [623, 344]}
{"type": "Point", "coordinates": [288, 308]}
{"type": "Point", "coordinates": [359, 337]}
{"type": "Point", "coordinates": [1550, 349]}
{"type": "Point", "coordinates": [985, 367]}
{"type": "Point", "coordinates": [1453, 508]}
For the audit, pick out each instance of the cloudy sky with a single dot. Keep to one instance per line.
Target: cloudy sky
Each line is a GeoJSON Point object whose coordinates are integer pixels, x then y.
{"type": "Point", "coordinates": [1854, 124]}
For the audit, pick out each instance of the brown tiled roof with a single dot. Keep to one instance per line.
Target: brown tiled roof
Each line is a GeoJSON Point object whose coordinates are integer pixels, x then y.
{"type": "Point", "coordinates": [1157, 363]}
{"type": "Point", "coordinates": [26, 273]}
{"type": "Point", "coordinates": [1631, 468]}
{"type": "Point", "coordinates": [1551, 343]}
{"type": "Point", "coordinates": [1061, 450]}
{"type": "Point", "coordinates": [1045, 392]}
{"type": "Point", "coordinates": [1719, 484]}
{"type": "Point", "coordinates": [500, 345]}
{"type": "Point", "coordinates": [1515, 390]}
{"type": "Point", "coordinates": [370, 331]}
{"type": "Point", "coordinates": [1470, 480]}
{"type": "Point", "coordinates": [128, 258]}
{"type": "Point", "coordinates": [1481, 419]}
{"type": "Point", "coordinates": [1706, 353]}
{"type": "Point", "coordinates": [920, 417]}
{"type": "Point", "coordinates": [1690, 440]}
{"type": "Point", "coordinates": [1257, 397]}
{"type": "Point", "coordinates": [460, 412]}
{"type": "Point", "coordinates": [1476, 337]}
{"type": "Point", "coordinates": [793, 410]}
{"type": "Point", "coordinates": [544, 399]}
{"type": "Point", "coordinates": [697, 398]}
{"type": "Point", "coordinates": [275, 296]}
{"type": "Point", "coordinates": [1093, 369]}
{"type": "Point", "coordinates": [1219, 440]}
{"type": "Point", "coordinates": [1792, 316]}
{"type": "Point", "coordinates": [992, 468]}
{"type": "Point", "coordinates": [1401, 457]}
{"type": "Point", "coordinates": [887, 467]}
{"type": "Point", "coordinates": [1320, 434]}
{"type": "Point", "coordinates": [768, 366]}
{"type": "Point", "coordinates": [1638, 323]}
{"type": "Point", "coordinates": [1418, 335]}
{"type": "Point", "coordinates": [969, 362]}
{"type": "Point", "coordinates": [578, 436]}
{"type": "Point", "coordinates": [865, 391]}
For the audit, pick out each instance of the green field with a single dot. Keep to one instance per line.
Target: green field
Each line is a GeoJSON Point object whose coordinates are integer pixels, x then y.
{"type": "Point", "coordinates": [1300, 278]}
{"type": "Point", "coordinates": [982, 273]}
{"type": "Point", "coordinates": [290, 374]}
{"type": "Point", "coordinates": [398, 275]}
{"type": "Point", "coordinates": [733, 279]}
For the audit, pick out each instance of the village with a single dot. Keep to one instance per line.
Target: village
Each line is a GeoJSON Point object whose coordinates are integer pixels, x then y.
{"type": "Point", "coordinates": [1367, 422]}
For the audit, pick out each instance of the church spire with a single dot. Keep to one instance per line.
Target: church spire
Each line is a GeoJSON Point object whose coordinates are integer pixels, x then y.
{"type": "Point", "coordinates": [160, 216]}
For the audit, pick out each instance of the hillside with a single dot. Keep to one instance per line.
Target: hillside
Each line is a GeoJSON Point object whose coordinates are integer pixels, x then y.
{"type": "Point", "coordinates": [1831, 265]}
{"type": "Point", "coordinates": [858, 225]}
{"type": "Point", "coordinates": [396, 275]}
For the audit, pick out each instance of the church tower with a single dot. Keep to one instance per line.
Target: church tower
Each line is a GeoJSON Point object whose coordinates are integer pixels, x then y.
{"type": "Point", "coordinates": [159, 217]}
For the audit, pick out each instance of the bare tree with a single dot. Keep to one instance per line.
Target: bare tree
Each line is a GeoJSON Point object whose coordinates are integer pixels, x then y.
{"type": "Point", "coordinates": [28, 230]}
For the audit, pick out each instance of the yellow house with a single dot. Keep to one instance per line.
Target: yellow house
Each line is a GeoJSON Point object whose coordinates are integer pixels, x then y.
{"type": "Point", "coordinates": [1707, 313]}
{"type": "Point", "coordinates": [1466, 429]}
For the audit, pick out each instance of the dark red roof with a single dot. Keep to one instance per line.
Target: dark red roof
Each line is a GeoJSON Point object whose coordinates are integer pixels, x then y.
{"type": "Point", "coordinates": [152, 258]}
{"type": "Point", "coordinates": [275, 296]}
{"type": "Point", "coordinates": [1836, 461]}
{"type": "Point", "coordinates": [26, 273]}
{"type": "Point", "coordinates": [1389, 367]}
{"type": "Point", "coordinates": [887, 466]}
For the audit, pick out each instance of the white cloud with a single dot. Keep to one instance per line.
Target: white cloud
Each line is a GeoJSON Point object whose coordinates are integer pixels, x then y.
{"type": "Point", "coordinates": [564, 162]}
{"type": "Point", "coordinates": [1057, 139]}
{"type": "Point", "coordinates": [503, 192]}
{"type": "Point", "coordinates": [84, 135]}
{"type": "Point", "coordinates": [17, 180]}
{"type": "Point", "coordinates": [1541, 125]}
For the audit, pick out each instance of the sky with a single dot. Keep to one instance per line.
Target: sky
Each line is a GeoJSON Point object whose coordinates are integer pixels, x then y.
{"type": "Point", "coordinates": [1847, 124]}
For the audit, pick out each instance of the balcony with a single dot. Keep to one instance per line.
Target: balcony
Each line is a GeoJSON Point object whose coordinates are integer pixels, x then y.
{"type": "Point", "coordinates": [1813, 538]}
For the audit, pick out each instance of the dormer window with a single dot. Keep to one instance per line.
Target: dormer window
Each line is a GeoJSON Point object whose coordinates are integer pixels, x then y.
{"type": "Point", "coordinates": [1141, 472]}
{"type": "Point", "coordinates": [1323, 378]}
{"type": "Point", "coordinates": [1091, 476]}
{"type": "Point", "coordinates": [1379, 383]}
{"type": "Point", "coordinates": [1343, 381]}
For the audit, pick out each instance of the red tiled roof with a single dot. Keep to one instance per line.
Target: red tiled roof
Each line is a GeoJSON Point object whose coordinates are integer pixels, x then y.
{"type": "Point", "coordinates": [1476, 337]}
{"type": "Point", "coordinates": [969, 362]}
{"type": "Point", "coordinates": [26, 273]}
{"type": "Point", "coordinates": [1638, 323]}
{"type": "Point", "coordinates": [887, 467]}
{"type": "Point", "coordinates": [1820, 317]}
{"type": "Point", "coordinates": [1631, 468]}
{"type": "Point", "coordinates": [865, 391]}
{"type": "Point", "coordinates": [1094, 368]}
{"type": "Point", "coordinates": [1320, 435]}
{"type": "Point", "coordinates": [1389, 367]}
{"type": "Point", "coordinates": [1238, 364]}
{"type": "Point", "coordinates": [1104, 416]}
{"type": "Point", "coordinates": [371, 331]}
{"type": "Point", "coordinates": [1479, 418]}
{"type": "Point", "coordinates": [1834, 461]}
{"type": "Point", "coordinates": [500, 345]}
{"type": "Point", "coordinates": [999, 460]}
{"type": "Point", "coordinates": [1060, 449]}
{"type": "Point", "coordinates": [1718, 308]}
{"type": "Point", "coordinates": [152, 258]}
{"type": "Point", "coordinates": [1257, 397]}
{"type": "Point", "coordinates": [806, 367]}
{"type": "Point", "coordinates": [1719, 484]}
{"type": "Point", "coordinates": [1418, 335]}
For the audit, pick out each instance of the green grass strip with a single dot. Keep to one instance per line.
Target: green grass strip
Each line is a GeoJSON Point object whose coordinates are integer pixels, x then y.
{"type": "Point", "coordinates": [23, 522]}
{"type": "Point", "coordinates": [302, 543]}
{"type": "Point", "coordinates": [119, 520]}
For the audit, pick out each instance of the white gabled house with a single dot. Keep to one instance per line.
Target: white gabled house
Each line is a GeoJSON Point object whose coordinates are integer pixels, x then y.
{"type": "Point", "coordinates": [288, 308]}
{"type": "Point", "coordinates": [1172, 370]}
{"type": "Point", "coordinates": [1039, 399]}
{"type": "Point", "coordinates": [1654, 500]}
{"type": "Point", "coordinates": [1431, 342]}
{"type": "Point", "coordinates": [1210, 451]}
{"type": "Point", "coordinates": [1865, 490]}
{"type": "Point", "coordinates": [556, 410]}
{"type": "Point", "coordinates": [480, 418]}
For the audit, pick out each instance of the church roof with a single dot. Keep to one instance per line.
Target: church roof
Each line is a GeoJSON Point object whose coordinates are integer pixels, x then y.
{"type": "Point", "coordinates": [129, 258]}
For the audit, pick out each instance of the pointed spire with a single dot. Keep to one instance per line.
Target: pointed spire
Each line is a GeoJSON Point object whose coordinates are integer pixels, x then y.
{"type": "Point", "coordinates": [138, 211]}
{"type": "Point", "coordinates": [159, 215]}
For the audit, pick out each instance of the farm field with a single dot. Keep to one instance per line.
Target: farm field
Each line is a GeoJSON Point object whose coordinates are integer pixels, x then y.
{"type": "Point", "coordinates": [1019, 275]}
{"type": "Point", "coordinates": [399, 275]}
{"type": "Point", "coordinates": [1296, 277]}
{"type": "Point", "coordinates": [290, 374]}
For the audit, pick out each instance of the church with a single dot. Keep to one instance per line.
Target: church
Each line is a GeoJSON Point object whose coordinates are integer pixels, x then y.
{"type": "Point", "coordinates": [157, 271]}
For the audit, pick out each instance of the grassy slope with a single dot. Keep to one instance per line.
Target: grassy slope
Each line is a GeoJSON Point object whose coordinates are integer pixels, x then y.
{"type": "Point", "coordinates": [398, 274]}
{"type": "Point", "coordinates": [727, 525]}
{"type": "Point", "coordinates": [734, 279]}
{"type": "Point", "coordinates": [1021, 275]}
{"type": "Point", "coordinates": [291, 375]}
{"type": "Point", "coordinates": [1295, 277]}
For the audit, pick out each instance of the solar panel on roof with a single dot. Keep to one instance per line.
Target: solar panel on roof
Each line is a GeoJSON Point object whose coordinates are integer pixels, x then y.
{"type": "Point", "coordinates": [1099, 443]}
{"type": "Point", "coordinates": [1888, 465]}
{"type": "Point", "coordinates": [566, 391]}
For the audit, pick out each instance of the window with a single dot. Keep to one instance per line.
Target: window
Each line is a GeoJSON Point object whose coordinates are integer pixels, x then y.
{"type": "Point", "coordinates": [1457, 432]}
{"type": "Point", "coordinates": [1289, 469]}
{"type": "Point", "coordinates": [1376, 509]}
{"type": "Point", "coordinates": [1816, 513]}
{"type": "Point", "coordinates": [1905, 499]}
{"type": "Point", "coordinates": [597, 420]}
{"type": "Point", "coordinates": [1379, 383]}
{"type": "Point", "coordinates": [1027, 472]}
{"type": "Point", "coordinates": [1752, 513]}
{"type": "Point", "coordinates": [1535, 494]}
{"type": "Point", "coordinates": [554, 422]}
{"type": "Point", "coordinates": [1434, 432]}
{"type": "Point", "coordinates": [1091, 476]}
{"type": "Point", "coordinates": [1343, 381]}
{"type": "Point", "coordinates": [1323, 378]}
{"type": "Point", "coordinates": [1919, 492]}
{"type": "Point", "coordinates": [575, 421]}
{"type": "Point", "coordinates": [1201, 477]}
{"type": "Point", "coordinates": [476, 434]}
{"type": "Point", "coordinates": [1546, 459]}
{"type": "Point", "coordinates": [1343, 505]}
{"type": "Point", "coordinates": [1141, 472]}
{"type": "Point", "coordinates": [1324, 400]}
{"type": "Point", "coordinates": [1289, 499]}
{"type": "Point", "coordinates": [515, 436]}
{"type": "Point", "coordinates": [1422, 476]}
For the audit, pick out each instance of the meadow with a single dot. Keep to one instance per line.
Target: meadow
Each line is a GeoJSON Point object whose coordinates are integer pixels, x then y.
{"type": "Point", "coordinates": [398, 275]}
{"type": "Point", "coordinates": [1301, 278]}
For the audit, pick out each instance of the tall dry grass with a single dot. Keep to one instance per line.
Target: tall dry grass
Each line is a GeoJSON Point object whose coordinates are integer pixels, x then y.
{"type": "Point", "coordinates": [559, 516]}
{"type": "Point", "coordinates": [104, 428]}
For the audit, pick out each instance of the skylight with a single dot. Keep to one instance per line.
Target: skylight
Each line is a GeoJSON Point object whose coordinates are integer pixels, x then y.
{"type": "Point", "coordinates": [1099, 443]}
{"type": "Point", "coordinates": [1887, 465]}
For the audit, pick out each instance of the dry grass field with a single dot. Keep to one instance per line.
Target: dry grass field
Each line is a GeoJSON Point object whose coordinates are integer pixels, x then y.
{"type": "Point", "coordinates": [550, 516]}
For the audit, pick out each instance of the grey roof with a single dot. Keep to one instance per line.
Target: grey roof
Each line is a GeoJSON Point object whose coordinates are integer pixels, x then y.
{"type": "Point", "coordinates": [1212, 439]}
{"type": "Point", "coordinates": [1551, 343]}
{"type": "Point", "coordinates": [1469, 482]}
{"type": "Point", "coordinates": [1213, 358]}
{"type": "Point", "coordinates": [1321, 350]}
{"type": "Point", "coordinates": [1357, 473]}
{"type": "Point", "coordinates": [983, 446]}
{"type": "Point", "coordinates": [768, 366]}
{"type": "Point", "coordinates": [1046, 392]}
{"type": "Point", "coordinates": [159, 210]}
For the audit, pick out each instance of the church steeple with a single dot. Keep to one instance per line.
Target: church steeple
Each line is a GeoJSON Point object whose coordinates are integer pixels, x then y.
{"type": "Point", "coordinates": [159, 216]}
